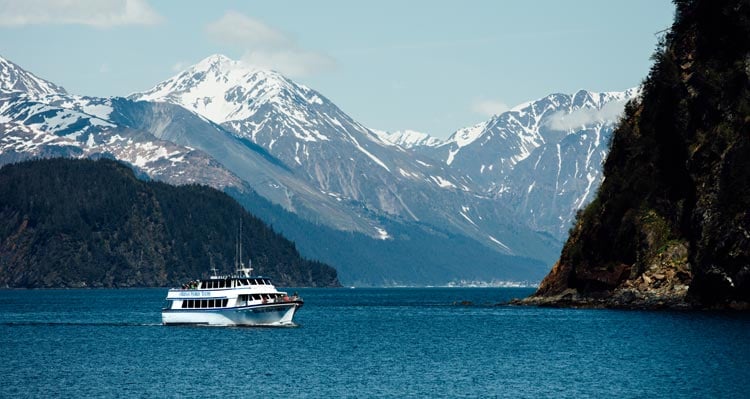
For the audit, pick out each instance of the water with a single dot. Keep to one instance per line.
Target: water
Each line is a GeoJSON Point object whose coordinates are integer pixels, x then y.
{"type": "Point", "coordinates": [367, 343]}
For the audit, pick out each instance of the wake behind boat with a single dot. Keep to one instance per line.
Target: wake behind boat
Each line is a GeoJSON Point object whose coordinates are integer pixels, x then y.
{"type": "Point", "coordinates": [239, 299]}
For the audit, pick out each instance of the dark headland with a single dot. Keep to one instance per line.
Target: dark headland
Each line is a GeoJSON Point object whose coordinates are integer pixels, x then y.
{"type": "Point", "coordinates": [81, 223]}
{"type": "Point", "coordinates": [670, 227]}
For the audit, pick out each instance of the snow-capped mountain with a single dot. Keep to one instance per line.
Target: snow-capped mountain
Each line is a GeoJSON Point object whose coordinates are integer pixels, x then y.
{"type": "Point", "coordinates": [15, 79]}
{"type": "Point", "coordinates": [295, 124]}
{"type": "Point", "coordinates": [408, 138]}
{"type": "Point", "coordinates": [543, 157]}
{"type": "Point", "coordinates": [338, 156]}
{"type": "Point", "coordinates": [31, 129]}
{"type": "Point", "coordinates": [330, 173]}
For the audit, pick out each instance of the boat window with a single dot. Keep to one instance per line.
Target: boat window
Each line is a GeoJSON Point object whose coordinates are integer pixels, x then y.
{"type": "Point", "coordinates": [184, 304]}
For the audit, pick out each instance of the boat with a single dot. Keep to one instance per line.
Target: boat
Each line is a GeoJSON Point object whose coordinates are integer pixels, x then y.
{"type": "Point", "coordinates": [239, 299]}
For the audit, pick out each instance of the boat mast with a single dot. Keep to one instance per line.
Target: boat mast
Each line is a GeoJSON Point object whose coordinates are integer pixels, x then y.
{"type": "Point", "coordinates": [240, 267]}
{"type": "Point", "coordinates": [214, 272]}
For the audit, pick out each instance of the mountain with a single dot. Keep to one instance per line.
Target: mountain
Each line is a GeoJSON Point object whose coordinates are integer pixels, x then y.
{"type": "Point", "coordinates": [308, 133]}
{"type": "Point", "coordinates": [542, 158]}
{"type": "Point", "coordinates": [669, 226]}
{"type": "Point", "coordinates": [377, 183]}
{"type": "Point", "coordinates": [167, 142]}
{"type": "Point", "coordinates": [408, 138]}
{"type": "Point", "coordinates": [15, 79]}
{"type": "Point", "coordinates": [80, 223]}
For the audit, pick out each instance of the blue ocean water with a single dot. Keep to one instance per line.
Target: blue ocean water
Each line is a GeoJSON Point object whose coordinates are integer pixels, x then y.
{"type": "Point", "coordinates": [367, 343]}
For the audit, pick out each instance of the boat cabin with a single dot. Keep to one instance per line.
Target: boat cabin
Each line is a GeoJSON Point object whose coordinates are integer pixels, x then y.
{"type": "Point", "coordinates": [233, 282]}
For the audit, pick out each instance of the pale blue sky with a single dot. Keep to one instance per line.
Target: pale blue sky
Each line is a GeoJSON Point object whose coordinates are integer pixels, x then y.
{"type": "Point", "coordinates": [432, 66]}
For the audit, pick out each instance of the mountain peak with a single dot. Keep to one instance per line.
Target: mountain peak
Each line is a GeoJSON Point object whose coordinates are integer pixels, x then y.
{"type": "Point", "coordinates": [222, 89]}
{"type": "Point", "coordinates": [13, 78]}
{"type": "Point", "coordinates": [217, 62]}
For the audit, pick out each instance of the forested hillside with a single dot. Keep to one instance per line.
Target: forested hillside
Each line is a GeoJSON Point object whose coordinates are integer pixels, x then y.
{"type": "Point", "coordinates": [82, 223]}
{"type": "Point", "coordinates": [669, 227]}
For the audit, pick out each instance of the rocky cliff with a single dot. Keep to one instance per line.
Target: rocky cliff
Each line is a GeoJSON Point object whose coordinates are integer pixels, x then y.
{"type": "Point", "coordinates": [670, 226]}
{"type": "Point", "coordinates": [82, 223]}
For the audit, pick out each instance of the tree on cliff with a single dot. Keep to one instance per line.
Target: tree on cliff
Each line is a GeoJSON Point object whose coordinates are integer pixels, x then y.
{"type": "Point", "coordinates": [671, 222]}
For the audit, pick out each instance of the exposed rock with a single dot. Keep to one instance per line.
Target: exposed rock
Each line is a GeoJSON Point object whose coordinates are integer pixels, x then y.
{"type": "Point", "coordinates": [669, 227]}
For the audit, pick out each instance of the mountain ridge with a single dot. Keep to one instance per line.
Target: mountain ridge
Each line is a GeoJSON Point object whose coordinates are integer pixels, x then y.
{"type": "Point", "coordinates": [301, 152]}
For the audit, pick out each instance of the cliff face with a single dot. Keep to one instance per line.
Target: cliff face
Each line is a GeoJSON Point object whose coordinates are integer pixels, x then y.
{"type": "Point", "coordinates": [670, 226]}
{"type": "Point", "coordinates": [82, 223]}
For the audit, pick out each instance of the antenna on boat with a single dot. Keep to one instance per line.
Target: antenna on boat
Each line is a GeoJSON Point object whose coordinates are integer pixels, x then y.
{"type": "Point", "coordinates": [240, 267]}
{"type": "Point", "coordinates": [214, 272]}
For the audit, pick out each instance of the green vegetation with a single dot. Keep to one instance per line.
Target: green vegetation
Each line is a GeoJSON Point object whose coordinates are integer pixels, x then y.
{"type": "Point", "coordinates": [75, 223]}
{"type": "Point", "coordinates": [678, 170]}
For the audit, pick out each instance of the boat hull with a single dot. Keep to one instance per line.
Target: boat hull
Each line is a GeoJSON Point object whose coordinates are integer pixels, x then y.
{"type": "Point", "coordinates": [278, 314]}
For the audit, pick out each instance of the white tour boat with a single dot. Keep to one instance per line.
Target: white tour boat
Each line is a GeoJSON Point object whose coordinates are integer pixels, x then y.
{"type": "Point", "coordinates": [235, 300]}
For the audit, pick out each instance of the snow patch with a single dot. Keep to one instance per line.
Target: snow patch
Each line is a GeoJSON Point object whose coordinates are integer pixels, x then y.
{"type": "Point", "coordinates": [498, 242]}
{"type": "Point", "coordinates": [382, 233]}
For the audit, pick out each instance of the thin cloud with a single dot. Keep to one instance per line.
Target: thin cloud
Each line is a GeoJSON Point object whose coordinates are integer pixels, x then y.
{"type": "Point", "coordinates": [180, 66]}
{"type": "Point", "coordinates": [586, 116]}
{"type": "Point", "coordinates": [94, 13]}
{"type": "Point", "coordinates": [265, 46]}
{"type": "Point", "coordinates": [489, 107]}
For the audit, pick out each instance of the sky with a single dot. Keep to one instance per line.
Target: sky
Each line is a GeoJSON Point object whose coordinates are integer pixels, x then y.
{"type": "Point", "coordinates": [430, 66]}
